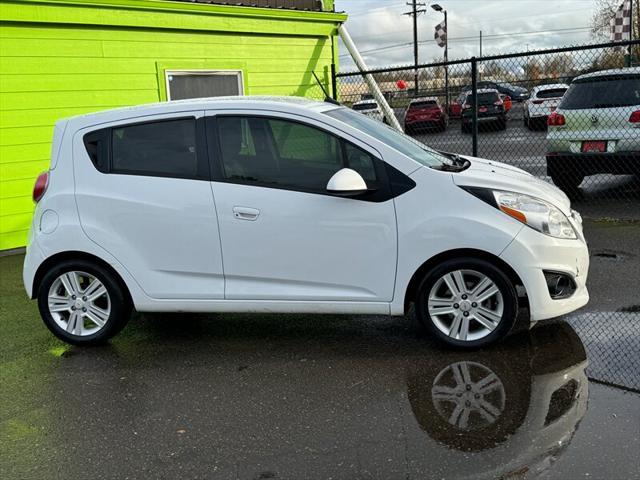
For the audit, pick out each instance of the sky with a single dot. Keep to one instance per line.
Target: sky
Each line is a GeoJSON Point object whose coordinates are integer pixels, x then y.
{"type": "Point", "coordinates": [507, 26]}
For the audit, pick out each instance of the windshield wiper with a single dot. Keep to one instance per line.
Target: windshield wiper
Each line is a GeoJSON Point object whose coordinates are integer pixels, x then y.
{"type": "Point", "coordinates": [458, 163]}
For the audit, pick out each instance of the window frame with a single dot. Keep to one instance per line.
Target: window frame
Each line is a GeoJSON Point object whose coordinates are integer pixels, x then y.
{"type": "Point", "coordinates": [204, 71]}
{"type": "Point", "coordinates": [382, 193]}
{"type": "Point", "coordinates": [106, 134]}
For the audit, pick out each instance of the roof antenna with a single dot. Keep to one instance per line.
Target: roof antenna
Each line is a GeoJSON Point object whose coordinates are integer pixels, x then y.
{"type": "Point", "coordinates": [327, 98]}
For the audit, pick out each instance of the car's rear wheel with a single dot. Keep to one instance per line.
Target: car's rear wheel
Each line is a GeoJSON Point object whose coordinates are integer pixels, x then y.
{"type": "Point", "coordinates": [565, 176]}
{"type": "Point", "coordinates": [83, 303]}
{"type": "Point", "coordinates": [467, 303]}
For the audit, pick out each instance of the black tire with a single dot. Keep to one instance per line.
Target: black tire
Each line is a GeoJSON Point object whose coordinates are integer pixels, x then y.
{"type": "Point", "coordinates": [527, 123]}
{"type": "Point", "coordinates": [566, 177]}
{"type": "Point", "coordinates": [465, 128]}
{"type": "Point", "coordinates": [499, 278]}
{"type": "Point", "coordinates": [502, 124]}
{"type": "Point", "coordinates": [119, 301]}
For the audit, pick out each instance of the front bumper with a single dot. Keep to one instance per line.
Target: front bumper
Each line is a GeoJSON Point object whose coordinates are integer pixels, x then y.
{"type": "Point", "coordinates": [531, 253]}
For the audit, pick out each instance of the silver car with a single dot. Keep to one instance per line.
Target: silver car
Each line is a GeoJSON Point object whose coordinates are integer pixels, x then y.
{"type": "Point", "coordinates": [596, 128]}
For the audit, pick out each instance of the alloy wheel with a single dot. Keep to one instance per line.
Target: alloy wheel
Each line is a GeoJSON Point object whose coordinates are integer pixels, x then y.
{"type": "Point", "coordinates": [79, 303]}
{"type": "Point", "coordinates": [465, 305]}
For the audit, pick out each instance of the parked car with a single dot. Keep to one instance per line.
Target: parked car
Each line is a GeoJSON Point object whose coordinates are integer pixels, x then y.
{"type": "Point", "coordinates": [544, 101]}
{"type": "Point", "coordinates": [596, 128]}
{"type": "Point", "coordinates": [491, 110]}
{"type": "Point", "coordinates": [369, 108]}
{"type": "Point", "coordinates": [455, 107]}
{"type": "Point", "coordinates": [267, 204]}
{"type": "Point", "coordinates": [516, 93]}
{"type": "Point", "coordinates": [425, 114]}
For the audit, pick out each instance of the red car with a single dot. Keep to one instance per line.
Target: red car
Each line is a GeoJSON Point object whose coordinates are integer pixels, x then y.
{"type": "Point", "coordinates": [425, 114]}
{"type": "Point", "coordinates": [455, 107]}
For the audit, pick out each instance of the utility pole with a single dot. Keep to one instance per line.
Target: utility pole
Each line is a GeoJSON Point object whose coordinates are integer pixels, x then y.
{"type": "Point", "coordinates": [415, 11]}
{"type": "Point", "coordinates": [479, 72]}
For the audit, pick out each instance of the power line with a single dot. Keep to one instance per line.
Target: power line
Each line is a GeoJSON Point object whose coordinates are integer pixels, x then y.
{"type": "Point", "coordinates": [484, 37]}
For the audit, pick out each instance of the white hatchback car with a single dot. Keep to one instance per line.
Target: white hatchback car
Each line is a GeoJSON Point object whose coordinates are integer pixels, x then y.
{"type": "Point", "coordinates": [248, 204]}
{"type": "Point", "coordinates": [543, 102]}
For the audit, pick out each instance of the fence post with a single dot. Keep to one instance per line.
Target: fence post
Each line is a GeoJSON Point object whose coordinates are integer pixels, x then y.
{"type": "Point", "coordinates": [334, 81]}
{"type": "Point", "coordinates": [474, 107]}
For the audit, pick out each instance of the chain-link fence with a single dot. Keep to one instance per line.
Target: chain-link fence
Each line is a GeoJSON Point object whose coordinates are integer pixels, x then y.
{"type": "Point", "coordinates": [570, 116]}
{"type": "Point", "coordinates": [567, 115]}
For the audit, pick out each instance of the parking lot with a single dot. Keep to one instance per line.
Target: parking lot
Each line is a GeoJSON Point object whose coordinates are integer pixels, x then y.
{"type": "Point", "coordinates": [229, 396]}
{"type": "Point", "coordinates": [602, 195]}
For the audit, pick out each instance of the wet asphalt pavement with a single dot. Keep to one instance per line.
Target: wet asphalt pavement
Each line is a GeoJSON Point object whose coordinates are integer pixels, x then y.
{"type": "Point", "coordinates": [313, 397]}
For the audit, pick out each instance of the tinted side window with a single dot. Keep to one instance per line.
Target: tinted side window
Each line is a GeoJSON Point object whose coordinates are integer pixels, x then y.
{"type": "Point", "coordinates": [287, 154]}
{"type": "Point", "coordinates": [163, 148]}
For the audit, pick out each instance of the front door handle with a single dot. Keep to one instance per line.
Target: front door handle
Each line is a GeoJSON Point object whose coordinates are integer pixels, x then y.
{"type": "Point", "coordinates": [246, 213]}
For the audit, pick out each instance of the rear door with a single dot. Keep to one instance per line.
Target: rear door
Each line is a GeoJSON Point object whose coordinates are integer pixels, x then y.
{"type": "Point", "coordinates": [143, 194]}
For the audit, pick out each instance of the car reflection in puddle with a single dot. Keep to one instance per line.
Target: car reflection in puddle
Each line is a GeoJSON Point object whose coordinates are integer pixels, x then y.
{"type": "Point", "coordinates": [508, 412]}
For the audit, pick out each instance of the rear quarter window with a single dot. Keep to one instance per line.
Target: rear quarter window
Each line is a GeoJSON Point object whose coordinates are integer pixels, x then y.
{"type": "Point", "coordinates": [603, 92]}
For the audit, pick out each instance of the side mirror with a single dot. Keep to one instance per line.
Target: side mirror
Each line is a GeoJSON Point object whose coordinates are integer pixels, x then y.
{"type": "Point", "coordinates": [347, 182]}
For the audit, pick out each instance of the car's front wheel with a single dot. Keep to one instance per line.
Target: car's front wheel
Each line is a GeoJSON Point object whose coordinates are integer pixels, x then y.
{"type": "Point", "coordinates": [83, 303]}
{"type": "Point", "coordinates": [467, 303]}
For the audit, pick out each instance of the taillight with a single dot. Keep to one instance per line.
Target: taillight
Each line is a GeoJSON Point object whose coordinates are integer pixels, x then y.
{"type": "Point", "coordinates": [42, 182]}
{"type": "Point", "coordinates": [556, 120]}
{"type": "Point", "coordinates": [538, 102]}
{"type": "Point", "coordinates": [635, 117]}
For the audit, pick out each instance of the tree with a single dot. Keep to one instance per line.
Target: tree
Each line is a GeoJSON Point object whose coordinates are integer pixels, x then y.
{"type": "Point", "coordinates": [605, 11]}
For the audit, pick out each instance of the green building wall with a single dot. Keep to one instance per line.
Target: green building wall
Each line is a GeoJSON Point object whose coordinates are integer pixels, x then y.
{"type": "Point", "coordinates": [68, 57]}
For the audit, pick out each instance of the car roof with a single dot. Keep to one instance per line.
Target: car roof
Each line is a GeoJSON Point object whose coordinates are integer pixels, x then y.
{"type": "Point", "coordinates": [610, 72]}
{"type": "Point", "coordinates": [550, 86]}
{"type": "Point", "coordinates": [277, 103]}
{"type": "Point", "coordinates": [424, 99]}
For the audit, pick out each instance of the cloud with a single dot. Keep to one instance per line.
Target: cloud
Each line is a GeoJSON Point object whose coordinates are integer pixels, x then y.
{"type": "Point", "coordinates": [507, 26]}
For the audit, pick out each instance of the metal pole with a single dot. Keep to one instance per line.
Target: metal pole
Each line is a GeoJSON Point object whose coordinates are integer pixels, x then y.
{"type": "Point", "coordinates": [368, 78]}
{"type": "Point", "coordinates": [415, 45]}
{"type": "Point", "coordinates": [480, 73]}
{"type": "Point", "coordinates": [629, 55]}
{"type": "Point", "coordinates": [446, 59]}
{"type": "Point", "coordinates": [474, 107]}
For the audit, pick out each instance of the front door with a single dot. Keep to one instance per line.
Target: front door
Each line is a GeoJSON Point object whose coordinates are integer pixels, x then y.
{"type": "Point", "coordinates": [283, 236]}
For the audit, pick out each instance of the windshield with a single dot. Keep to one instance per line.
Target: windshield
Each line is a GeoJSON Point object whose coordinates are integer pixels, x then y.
{"type": "Point", "coordinates": [399, 141]}
{"type": "Point", "coordinates": [364, 106]}
{"type": "Point", "coordinates": [422, 104]}
{"type": "Point", "coordinates": [486, 98]}
{"type": "Point", "coordinates": [603, 92]}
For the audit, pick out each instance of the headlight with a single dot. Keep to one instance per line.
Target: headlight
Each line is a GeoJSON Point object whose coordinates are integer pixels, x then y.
{"type": "Point", "coordinates": [536, 213]}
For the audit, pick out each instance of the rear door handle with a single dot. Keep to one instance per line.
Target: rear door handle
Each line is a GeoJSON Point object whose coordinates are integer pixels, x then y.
{"type": "Point", "coordinates": [246, 213]}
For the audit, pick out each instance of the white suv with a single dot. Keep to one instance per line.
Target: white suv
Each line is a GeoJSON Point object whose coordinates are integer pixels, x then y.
{"type": "Point", "coordinates": [287, 205]}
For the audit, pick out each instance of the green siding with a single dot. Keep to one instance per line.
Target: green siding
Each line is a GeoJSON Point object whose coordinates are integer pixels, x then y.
{"type": "Point", "coordinates": [106, 55]}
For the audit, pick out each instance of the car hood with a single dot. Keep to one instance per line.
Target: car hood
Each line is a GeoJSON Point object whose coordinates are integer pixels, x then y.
{"type": "Point", "coordinates": [500, 176]}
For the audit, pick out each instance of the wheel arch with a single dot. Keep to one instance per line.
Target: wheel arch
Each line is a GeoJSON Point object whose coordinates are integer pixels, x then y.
{"type": "Point", "coordinates": [60, 257]}
{"type": "Point", "coordinates": [418, 275]}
